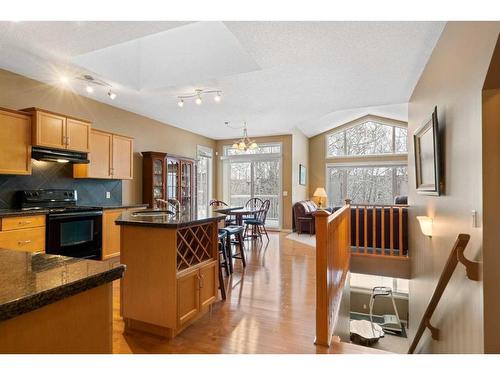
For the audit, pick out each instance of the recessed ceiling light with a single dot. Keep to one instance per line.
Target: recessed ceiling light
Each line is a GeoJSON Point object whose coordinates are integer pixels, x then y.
{"type": "Point", "coordinates": [89, 89]}
{"type": "Point", "coordinates": [112, 95]}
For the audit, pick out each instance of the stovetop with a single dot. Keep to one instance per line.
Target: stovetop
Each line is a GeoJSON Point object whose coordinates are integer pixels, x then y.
{"type": "Point", "coordinates": [53, 200]}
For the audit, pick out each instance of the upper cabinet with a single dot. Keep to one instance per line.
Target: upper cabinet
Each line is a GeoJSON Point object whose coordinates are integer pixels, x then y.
{"type": "Point", "coordinates": [110, 155]}
{"type": "Point", "coordinates": [15, 142]}
{"type": "Point", "coordinates": [58, 131]}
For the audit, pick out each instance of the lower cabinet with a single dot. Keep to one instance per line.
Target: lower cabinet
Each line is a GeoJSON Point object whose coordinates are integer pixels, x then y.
{"type": "Point", "coordinates": [23, 233]}
{"type": "Point", "coordinates": [196, 290]}
{"type": "Point", "coordinates": [110, 233]}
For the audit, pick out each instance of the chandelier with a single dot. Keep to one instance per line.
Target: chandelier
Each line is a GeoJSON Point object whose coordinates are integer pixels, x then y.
{"type": "Point", "coordinates": [198, 93]}
{"type": "Point", "coordinates": [244, 143]}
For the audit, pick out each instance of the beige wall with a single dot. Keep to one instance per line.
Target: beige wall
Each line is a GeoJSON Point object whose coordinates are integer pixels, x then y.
{"type": "Point", "coordinates": [18, 92]}
{"type": "Point", "coordinates": [300, 155]}
{"type": "Point", "coordinates": [452, 81]}
{"type": "Point", "coordinates": [286, 175]}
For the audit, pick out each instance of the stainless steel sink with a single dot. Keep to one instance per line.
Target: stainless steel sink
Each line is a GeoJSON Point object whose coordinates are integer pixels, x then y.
{"type": "Point", "coordinates": [144, 213]}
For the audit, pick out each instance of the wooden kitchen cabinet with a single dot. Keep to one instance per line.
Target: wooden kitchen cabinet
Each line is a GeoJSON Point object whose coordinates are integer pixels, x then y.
{"type": "Point", "coordinates": [58, 131]}
{"type": "Point", "coordinates": [209, 284]}
{"type": "Point", "coordinates": [77, 135]}
{"type": "Point", "coordinates": [25, 233]}
{"type": "Point", "coordinates": [188, 292]}
{"type": "Point", "coordinates": [122, 156]}
{"type": "Point", "coordinates": [15, 142]}
{"type": "Point", "coordinates": [196, 290]}
{"type": "Point", "coordinates": [110, 233]}
{"type": "Point", "coordinates": [111, 157]}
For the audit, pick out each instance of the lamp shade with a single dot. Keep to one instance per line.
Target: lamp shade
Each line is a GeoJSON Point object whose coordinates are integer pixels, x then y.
{"type": "Point", "coordinates": [425, 225]}
{"type": "Point", "coordinates": [320, 193]}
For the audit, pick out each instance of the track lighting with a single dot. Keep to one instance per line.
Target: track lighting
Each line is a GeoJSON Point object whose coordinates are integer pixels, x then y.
{"type": "Point", "coordinates": [112, 95]}
{"type": "Point", "coordinates": [92, 82]}
{"type": "Point", "coordinates": [198, 93]}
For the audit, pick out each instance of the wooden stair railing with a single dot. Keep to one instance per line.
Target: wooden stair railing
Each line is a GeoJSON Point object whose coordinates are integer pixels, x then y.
{"type": "Point", "coordinates": [333, 236]}
{"type": "Point", "coordinates": [473, 273]}
{"type": "Point", "coordinates": [370, 237]}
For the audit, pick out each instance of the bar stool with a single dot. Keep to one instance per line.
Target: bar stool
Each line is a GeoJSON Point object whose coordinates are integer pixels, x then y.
{"type": "Point", "coordinates": [225, 263]}
{"type": "Point", "coordinates": [237, 232]}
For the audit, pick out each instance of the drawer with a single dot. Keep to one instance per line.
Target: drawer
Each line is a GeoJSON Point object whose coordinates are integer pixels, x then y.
{"type": "Point", "coordinates": [32, 239]}
{"type": "Point", "coordinates": [19, 222]}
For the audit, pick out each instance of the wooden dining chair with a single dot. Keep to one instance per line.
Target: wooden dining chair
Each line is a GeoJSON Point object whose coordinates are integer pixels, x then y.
{"type": "Point", "coordinates": [253, 204]}
{"type": "Point", "coordinates": [258, 224]}
{"type": "Point", "coordinates": [215, 203]}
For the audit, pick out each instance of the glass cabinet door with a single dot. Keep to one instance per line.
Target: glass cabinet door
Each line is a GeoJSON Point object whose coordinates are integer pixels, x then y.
{"type": "Point", "coordinates": [186, 175]}
{"type": "Point", "coordinates": [172, 178]}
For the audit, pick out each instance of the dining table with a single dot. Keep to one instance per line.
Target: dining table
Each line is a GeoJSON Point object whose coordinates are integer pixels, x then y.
{"type": "Point", "coordinates": [238, 212]}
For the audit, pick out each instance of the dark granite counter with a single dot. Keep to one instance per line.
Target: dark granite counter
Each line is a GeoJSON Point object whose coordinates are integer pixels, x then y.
{"type": "Point", "coordinates": [6, 212]}
{"type": "Point", "coordinates": [29, 281]}
{"type": "Point", "coordinates": [138, 205]}
{"type": "Point", "coordinates": [184, 219]}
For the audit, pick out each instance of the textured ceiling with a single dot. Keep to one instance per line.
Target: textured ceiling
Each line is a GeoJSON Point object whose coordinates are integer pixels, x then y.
{"type": "Point", "coordinates": [275, 75]}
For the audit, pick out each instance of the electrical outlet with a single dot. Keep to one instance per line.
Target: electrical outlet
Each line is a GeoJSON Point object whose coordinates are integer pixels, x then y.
{"type": "Point", "coordinates": [108, 195]}
{"type": "Point", "coordinates": [364, 306]}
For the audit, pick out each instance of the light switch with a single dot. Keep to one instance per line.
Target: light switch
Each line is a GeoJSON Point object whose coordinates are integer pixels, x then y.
{"type": "Point", "coordinates": [108, 195]}
{"type": "Point", "coordinates": [474, 218]}
{"type": "Point", "coordinates": [285, 193]}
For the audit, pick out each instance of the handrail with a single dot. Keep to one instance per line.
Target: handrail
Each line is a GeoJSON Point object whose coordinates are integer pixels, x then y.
{"type": "Point", "coordinates": [332, 267]}
{"type": "Point", "coordinates": [473, 271]}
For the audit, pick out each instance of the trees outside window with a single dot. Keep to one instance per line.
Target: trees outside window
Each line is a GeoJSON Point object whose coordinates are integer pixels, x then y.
{"type": "Point", "coordinates": [367, 161]}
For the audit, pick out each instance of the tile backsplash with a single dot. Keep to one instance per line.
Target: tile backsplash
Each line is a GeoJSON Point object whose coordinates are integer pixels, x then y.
{"type": "Point", "coordinates": [50, 175]}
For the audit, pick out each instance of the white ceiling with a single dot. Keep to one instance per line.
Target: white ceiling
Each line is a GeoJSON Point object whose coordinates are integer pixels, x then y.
{"type": "Point", "coordinates": [275, 75]}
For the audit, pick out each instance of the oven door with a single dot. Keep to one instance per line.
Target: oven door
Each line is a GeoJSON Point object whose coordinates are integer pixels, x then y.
{"type": "Point", "coordinates": [75, 234]}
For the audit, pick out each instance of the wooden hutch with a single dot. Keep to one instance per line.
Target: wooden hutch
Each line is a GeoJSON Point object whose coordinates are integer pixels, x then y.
{"type": "Point", "coordinates": [167, 176]}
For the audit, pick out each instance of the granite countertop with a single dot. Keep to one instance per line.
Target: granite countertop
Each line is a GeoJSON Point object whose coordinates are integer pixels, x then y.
{"type": "Point", "coordinates": [115, 206]}
{"type": "Point", "coordinates": [29, 281]}
{"type": "Point", "coordinates": [5, 212]}
{"type": "Point", "coordinates": [184, 219]}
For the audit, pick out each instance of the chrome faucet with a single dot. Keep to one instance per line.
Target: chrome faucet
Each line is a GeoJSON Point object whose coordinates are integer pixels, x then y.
{"type": "Point", "coordinates": [172, 202]}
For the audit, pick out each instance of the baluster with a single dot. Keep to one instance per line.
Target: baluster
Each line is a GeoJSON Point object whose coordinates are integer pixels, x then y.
{"type": "Point", "coordinates": [374, 229]}
{"type": "Point", "coordinates": [401, 232]}
{"type": "Point", "coordinates": [382, 228]}
{"type": "Point", "coordinates": [365, 229]}
{"type": "Point", "coordinates": [357, 229]}
{"type": "Point", "coordinates": [391, 223]}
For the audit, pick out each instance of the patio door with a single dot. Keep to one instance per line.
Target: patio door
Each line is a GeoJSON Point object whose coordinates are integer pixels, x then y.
{"type": "Point", "coordinates": [256, 177]}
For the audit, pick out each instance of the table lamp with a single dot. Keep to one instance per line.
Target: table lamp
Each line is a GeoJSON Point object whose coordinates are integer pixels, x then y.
{"type": "Point", "coordinates": [320, 193]}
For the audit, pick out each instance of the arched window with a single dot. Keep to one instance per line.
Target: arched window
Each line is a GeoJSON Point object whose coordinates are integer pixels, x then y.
{"type": "Point", "coordinates": [370, 136]}
{"type": "Point", "coordinates": [367, 161]}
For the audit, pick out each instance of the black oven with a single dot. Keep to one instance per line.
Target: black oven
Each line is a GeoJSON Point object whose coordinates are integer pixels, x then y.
{"type": "Point", "coordinates": [75, 234]}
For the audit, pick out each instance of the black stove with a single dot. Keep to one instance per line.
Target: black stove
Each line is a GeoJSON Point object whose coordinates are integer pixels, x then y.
{"type": "Point", "coordinates": [71, 230]}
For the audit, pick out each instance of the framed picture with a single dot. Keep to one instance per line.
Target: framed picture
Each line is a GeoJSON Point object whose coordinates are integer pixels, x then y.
{"type": "Point", "coordinates": [302, 174]}
{"type": "Point", "coordinates": [427, 157]}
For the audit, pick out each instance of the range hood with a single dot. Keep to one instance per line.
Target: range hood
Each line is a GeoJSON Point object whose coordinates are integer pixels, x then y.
{"type": "Point", "coordinates": [61, 156]}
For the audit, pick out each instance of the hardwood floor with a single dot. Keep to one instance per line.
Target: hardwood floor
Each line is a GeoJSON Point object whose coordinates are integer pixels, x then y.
{"type": "Point", "coordinates": [270, 308]}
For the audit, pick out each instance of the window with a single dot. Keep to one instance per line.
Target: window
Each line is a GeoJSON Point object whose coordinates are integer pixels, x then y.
{"type": "Point", "coordinates": [271, 148]}
{"type": "Point", "coordinates": [367, 138]}
{"type": "Point", "coordinates": [368, 282]}
{"type": "Point", "coordinates": [204, 179]}
{"type": "Point", "coordinates": [366, 183]}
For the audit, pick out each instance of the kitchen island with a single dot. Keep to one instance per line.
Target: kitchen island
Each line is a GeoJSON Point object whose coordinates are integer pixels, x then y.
{"type": "Point", "coordinates": [55, 304]}
{"type": "Point", "coordinates": [172, 269]}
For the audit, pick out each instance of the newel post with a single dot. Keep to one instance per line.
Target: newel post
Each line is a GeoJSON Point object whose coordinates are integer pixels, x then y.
{"type": "Point", "coordinates": [322, 311]}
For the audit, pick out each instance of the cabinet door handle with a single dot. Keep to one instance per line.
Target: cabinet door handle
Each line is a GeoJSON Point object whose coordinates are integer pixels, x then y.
{"type": "Point", "coordinates": [25, 242]}
{"type": "Point", "coordinates": [202, 282]}
{"type": "Point", "coordinates": [25, 222]}
{"type": "Point", "coordinates": [67, 141]}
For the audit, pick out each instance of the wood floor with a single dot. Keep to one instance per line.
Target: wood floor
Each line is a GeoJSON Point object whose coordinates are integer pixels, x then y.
{"type": "Point", "coordinates": [270, 308]}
